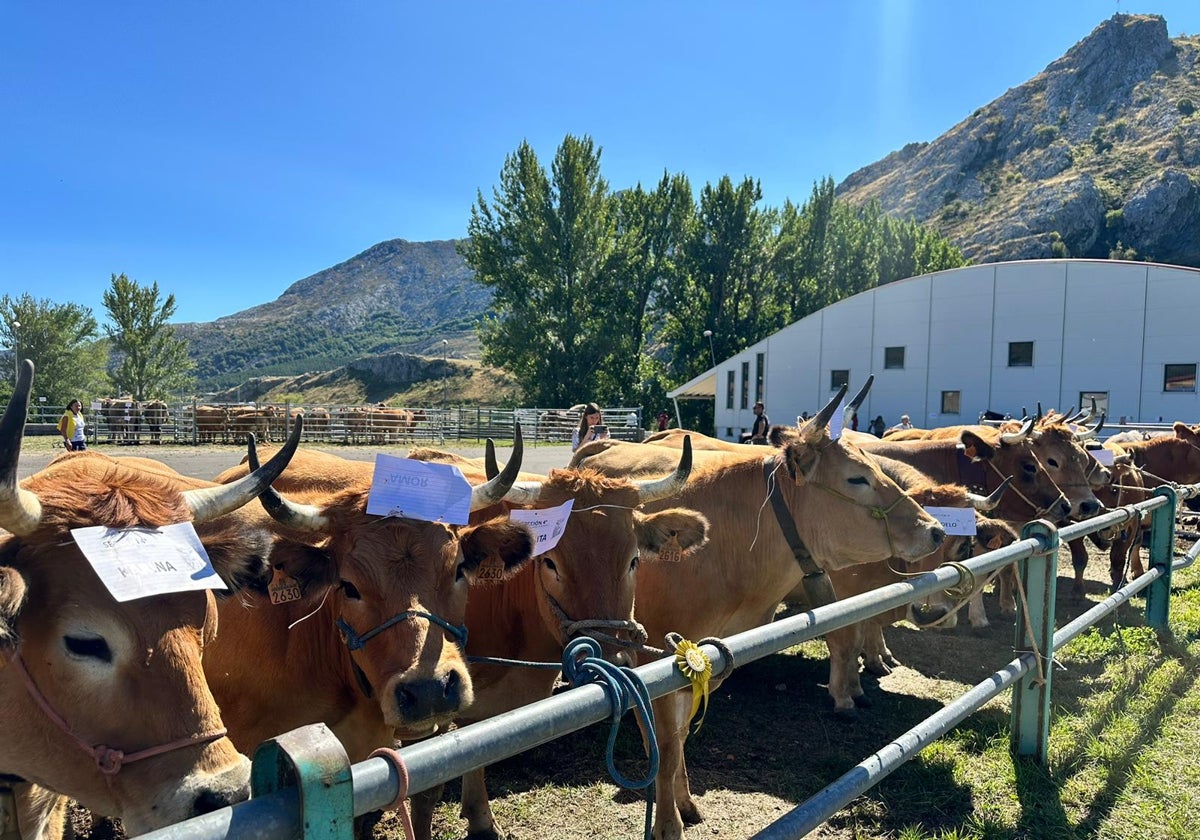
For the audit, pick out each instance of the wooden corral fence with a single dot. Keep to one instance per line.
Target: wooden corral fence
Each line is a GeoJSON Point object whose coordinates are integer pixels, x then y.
{"type": "Point", "coordinates": [303, 785]}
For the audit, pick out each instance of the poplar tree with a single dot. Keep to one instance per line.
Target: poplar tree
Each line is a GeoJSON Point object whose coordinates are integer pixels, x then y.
{"type": "Point", "coordinates": [151, 362]}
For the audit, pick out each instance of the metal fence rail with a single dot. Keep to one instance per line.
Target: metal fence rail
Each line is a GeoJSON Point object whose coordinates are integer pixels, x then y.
{"type": "Point", "coordinates": [281, 813]}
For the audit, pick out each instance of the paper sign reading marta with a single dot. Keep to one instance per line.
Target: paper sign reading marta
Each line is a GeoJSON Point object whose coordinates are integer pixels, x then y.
{"type": "Point", "coordinates": [140, 562]}
{"type": "Point", "coordinates": [1104, 456]}
{"type": "Point", "coordinates": [419, 490]}
{"type": "Point", "coordinates": [547, 524]}
{"type": "Point", "coordinates": [958, 522]}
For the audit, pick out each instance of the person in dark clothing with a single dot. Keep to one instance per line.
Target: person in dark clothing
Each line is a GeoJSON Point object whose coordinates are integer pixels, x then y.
{"type": "Point", "coordinates": [762, 424]}
{"type": "Point", "coordinates": [877, 426]}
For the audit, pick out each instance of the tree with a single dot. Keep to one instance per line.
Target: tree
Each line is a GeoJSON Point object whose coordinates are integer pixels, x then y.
{"type": "Point", "coordinates": [153, 363]}
{"type": "Point", "coordinates": [546, 245]}
{"type": "Point", "coordinates": [64, 343]}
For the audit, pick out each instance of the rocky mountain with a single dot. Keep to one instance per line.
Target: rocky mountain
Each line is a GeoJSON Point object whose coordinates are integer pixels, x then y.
{"type": "Point", "coordinates": [1096, 156]}
{"type": "Point", "coordinates": [397, 296]}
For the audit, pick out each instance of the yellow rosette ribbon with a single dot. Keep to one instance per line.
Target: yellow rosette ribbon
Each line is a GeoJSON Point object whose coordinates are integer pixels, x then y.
{"type": "Point", "coordinates": [697, 667]}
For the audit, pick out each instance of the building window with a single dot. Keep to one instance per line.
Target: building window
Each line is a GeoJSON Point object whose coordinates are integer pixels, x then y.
{"type": "Point", "coordinates": [1020, 354]}
{"type": "Point", "coordinates": [1179, 378]}
{"type": "Point", "coordinates": [760, 364]}
{"type": "Point", "coordinates": [951, 401]}
{"type": "Point", "coordinates": [728, 433]}
{"type": "Point", "coordinates": [745, 384]}
{"type": "Point", "coordinates": [1095, 402]}
{"type": "Point", "coordinates": [838, 378]}
{"type": "Point", "coordinates": [893, 358]}
{"type": "Point", "coordinates": [729, 388]}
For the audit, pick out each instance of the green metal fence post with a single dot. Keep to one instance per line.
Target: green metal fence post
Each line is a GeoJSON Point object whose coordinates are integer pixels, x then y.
{"type": "Point", "coordinates": [1162, 549]}
{"type": "Point", "coordinates": [314, 761]}
{"type": "Point", "coordinates": [1038, 576]}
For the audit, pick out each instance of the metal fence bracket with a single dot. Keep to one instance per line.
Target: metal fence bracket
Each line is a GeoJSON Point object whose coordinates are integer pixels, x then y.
{"type": "Point", "coordinates": [314, 761]}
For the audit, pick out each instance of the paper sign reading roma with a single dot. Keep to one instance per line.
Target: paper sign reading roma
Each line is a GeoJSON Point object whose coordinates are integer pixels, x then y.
{"type": "Point", "coordinates": [419, 490]}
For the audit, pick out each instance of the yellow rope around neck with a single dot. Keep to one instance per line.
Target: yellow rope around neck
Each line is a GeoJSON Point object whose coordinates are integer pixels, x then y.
{"type": "Point", "coordinates": [697, 667]}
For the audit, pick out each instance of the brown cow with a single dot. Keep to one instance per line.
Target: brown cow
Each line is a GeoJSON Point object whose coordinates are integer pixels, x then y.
{"type": "Point", "coordinates": [364, 633]}
{"type": "Point", "coordinates": [134, 731]}
{"type": "Point", "coordinates": [210, 422]}
{"type": "Point", "coordinates": [122, 419]}
{"type": "Point", "coordinates": [583, 586]}
{"type": "Point", "coordinates": [156, 415]}
{"type": "Point", "coordinates": [845, 510]}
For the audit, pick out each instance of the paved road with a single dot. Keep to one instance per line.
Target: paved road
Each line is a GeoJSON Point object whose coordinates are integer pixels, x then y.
{"type": "Point", "coordinates": [208, 462]}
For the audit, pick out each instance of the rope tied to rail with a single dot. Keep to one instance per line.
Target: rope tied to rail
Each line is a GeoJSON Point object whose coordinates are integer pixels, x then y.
{"type": "Point", "coordinates": [400, 803]}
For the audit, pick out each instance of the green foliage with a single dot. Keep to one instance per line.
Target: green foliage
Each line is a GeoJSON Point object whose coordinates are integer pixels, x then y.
{"type": "Point", "coordinates": [62, 340]}
{"type": "Point", "coordinates": [1045, 135]}
{"type": "Point", "coordinates": [1100, 141]}
{"type": "Point", "coordinates": [1114, 218]}
{"type": "Point", "coordinates": [1186, 106]}
{"type": "Point", "coordinates": [1120, 252]}
{"type": "Point", "coordinates": [153, 363]}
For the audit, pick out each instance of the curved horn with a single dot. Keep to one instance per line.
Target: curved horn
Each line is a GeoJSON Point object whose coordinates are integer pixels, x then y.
{"type": "Point", "coordinates": [1085, 434]}
{"type": "Point", "coordinates": [986, 503]}
{"type": "Point", "coordinates": [1039, 414]}
{"type": "Point", "coordinates": [285, 512]}
{"type": "Point", "coordinates": [861, 395]}
{"type": "Point", "coordinates": [496, 488]}
{"type": "Point", "coordinates": [1024, 413]}
{"type": "Point", "coordinates": [211, 502]}
{"type": "Point", "coordinates": [491, 468]}
{"type": "Point", "coordinates": [815, 427]}
{"type": "Point", "coordinates": [662, 488]}
{"type": "Point", "coordinates": [1017, 437]}
{"type": "Point", "coordinates": [20, 510]}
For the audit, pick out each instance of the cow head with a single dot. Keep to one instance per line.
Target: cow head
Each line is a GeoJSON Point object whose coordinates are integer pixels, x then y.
{"type": "Point", "coordinates": [396, 589]}
{"type": "Point", "coordinates": [1010, 453]}
{"type": "Point", "coordinates": [851, 511]}
{"type": "Point", "coordinates": [106, 701]}
{"type": "Point", "coordinates": [1059, 448]}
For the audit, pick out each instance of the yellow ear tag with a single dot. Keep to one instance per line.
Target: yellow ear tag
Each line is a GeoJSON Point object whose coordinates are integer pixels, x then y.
{"type": "Point", "coordinates": [970, 452]}
{"type": "Point", "coordinates": [671, 551]}
{"type": "Point", "coordinates": [283, 589]}
{"type": "Point", "coordinates": [490, 570]}
{"type": "Point", "coordinates": [697, 667]}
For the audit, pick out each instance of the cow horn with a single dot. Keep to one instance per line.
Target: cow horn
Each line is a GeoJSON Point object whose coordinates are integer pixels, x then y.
{"type": "Point", "coordinates": [815, 427]}
{"type": "Point", "coordinates": [496, 488]}
{"type": "Point", "coordinates": [986, 503]}
{"type": "Point", "coordinates": [1085, 434]}
{"type": "Point", "coordinates": [663, 488]}
{"type": "Point", "coordinates": [1039, 414]}
{"type": "Point", "coordinates": [491, 467]}
{"type": "Point", "coordinates": [211, 502]}
{"type": "Point", "coordinates": [20, 510]}
{"type": "Point", "coordinates": [282, 510]}
{"type": "Point", "coordinates": [1017, 437]}
{"type": "Point", "coordinates": [861, 395]}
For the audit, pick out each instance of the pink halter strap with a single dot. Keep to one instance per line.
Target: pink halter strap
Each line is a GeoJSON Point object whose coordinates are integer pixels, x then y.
{"type": "Point", "coordinates": [109, 760]}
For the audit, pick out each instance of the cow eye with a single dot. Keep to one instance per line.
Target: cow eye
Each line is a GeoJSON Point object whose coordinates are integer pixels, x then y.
{"type": "Point", "coordinates": [1052, 462]}
{"type": "Point", "coordinates": [549, 564]}
{"type": "Point", "coordinates": [351, 591]}
{"type": "Point", "coordinates": [89, 647]}
{"type": "Point", "coordinates": [858, 479]}
{"type": "Point", "coordinates": [633, 564]}
{"type": "Point", "coordinates": [1029, 468]}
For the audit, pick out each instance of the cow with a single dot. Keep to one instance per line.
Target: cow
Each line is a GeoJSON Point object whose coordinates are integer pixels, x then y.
{"type": "Point", "coordinates": [122, 419]}
{"type": "Point", "coordinates": [361, 626]}
{"type": "Point", "coordinates": [105, 701]}
{"type": "Point", "coordinates": [210, 423]}
{"type": "Point", "coordinates": [583, 586]}
{"type": "Point", "coordinates": [246, 420]}
{"type": "Point", "coordinates": [317, 422]}
{"type": "Point", "coordinates": [845, 510]}
{"type": "Point", "coordinates": [156, 415]}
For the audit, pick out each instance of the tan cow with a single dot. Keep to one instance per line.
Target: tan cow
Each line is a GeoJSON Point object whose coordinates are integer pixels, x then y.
{"type": "Point", "coordinates": [845, 510]}
{"type": "Point", "coordinates": [105, 701]}
{"type": "Point", "coordinates": [583, 586]}
{"type": "Point", "coordinates": [361, 626]}
{"type": "Point", "coordinates": [210, 423]}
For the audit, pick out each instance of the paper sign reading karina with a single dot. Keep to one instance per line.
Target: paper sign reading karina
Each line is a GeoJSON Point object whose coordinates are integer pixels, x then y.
{"type": "Point", "coordinates": [547, 524]}
{"type": "Point", "coordinates": [140, 562]}
{"type": "Point", "coordinates": [1104, 456]}
{"type": "Point", "coordinates": [958, 522]}
{"type": "Point", "coordinates": [838, 421]}
{"type": "Point", "coordinates": [419, 490]}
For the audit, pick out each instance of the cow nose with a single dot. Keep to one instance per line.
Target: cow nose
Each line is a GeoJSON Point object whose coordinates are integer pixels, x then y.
{"type": "Point", "coordinates": [418, 700]}
{"type": "Point", "coordinates": [1091, 507]}
{"type": "Point", "coordinates": [1064, 508]}
{"type": "Point", "coordinates": [938, 534]}
{"type": "Point", "coordinates": [212, 799]}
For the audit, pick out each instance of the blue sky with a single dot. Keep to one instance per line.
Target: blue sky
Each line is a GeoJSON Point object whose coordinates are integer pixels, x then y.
{"type": "Point", "coordinates": [226, 150]}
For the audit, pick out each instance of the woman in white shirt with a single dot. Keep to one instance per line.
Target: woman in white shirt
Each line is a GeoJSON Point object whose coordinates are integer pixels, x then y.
{"type": "Point", "coordinates": [71, 426]}
{"type": "Point", "coordinates": [591, 427]}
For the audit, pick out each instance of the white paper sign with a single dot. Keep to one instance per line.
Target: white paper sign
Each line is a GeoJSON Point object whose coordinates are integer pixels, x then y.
{"type": "Point", "coordinates": [1104, 456]}
{"type": "Point", "coordinates": [140, 562]}
{"type": "Point", "coordinates": [838, 421]}
{"type": "Point", "coordinates": [958, 522]}
{"type": "Point", "coordinates": [547, 524]}
{"type": "Point", "coordinates": [419, 490]}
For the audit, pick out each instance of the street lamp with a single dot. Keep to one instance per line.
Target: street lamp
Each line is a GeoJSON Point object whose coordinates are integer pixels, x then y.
{"type": "Point", "coordinates": [711, 351]}
{"type": "Point", "coordinates": [16, 352]}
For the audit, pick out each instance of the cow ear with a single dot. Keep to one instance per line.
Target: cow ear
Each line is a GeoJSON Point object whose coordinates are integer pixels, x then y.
{"type": "Point", "coordinates": [1184, 431]}
{"type": "Point", "coordinates": [801, 460]}
{"type": "Point", "coordinates": [495, 551]}
{"type": "Point", "coordinates": [239, 555]}
{"type": "Point", "coordinates": [975, 447]}
{"type": "Point", "coordinates": [310, 566]}
{"type": "Point", "coordinates": [12, 596]}
{"type": "Point", "coordinates": [680, 530]}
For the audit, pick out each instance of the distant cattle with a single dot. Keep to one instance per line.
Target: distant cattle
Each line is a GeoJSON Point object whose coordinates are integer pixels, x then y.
{"type": "Point", "coordinates": [156, 415]}
{"type": "Point", "coordinates": [122, 419]}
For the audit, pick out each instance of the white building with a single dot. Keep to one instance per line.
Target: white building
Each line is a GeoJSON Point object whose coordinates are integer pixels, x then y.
{"type": "Point", "coordinates": [945, 347]}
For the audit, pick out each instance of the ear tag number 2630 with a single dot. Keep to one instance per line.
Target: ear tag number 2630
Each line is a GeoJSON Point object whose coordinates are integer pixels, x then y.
{"type": "Point", "coordinates": [283, 589]}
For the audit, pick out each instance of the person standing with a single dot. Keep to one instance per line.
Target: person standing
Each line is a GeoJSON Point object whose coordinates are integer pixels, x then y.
{"type": "Point", "coordinates": [903, 425]}
{"type": "Point", "coordinates": [591, 427]}
{"type": "Point", "coordinates": [762, 424]}
{"type": "Point", "coordinates": [878, 426]}
{"type": "Point", "coordinates": [664, 420]}
{"type": "Point", "coordinates": [71, 426]}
